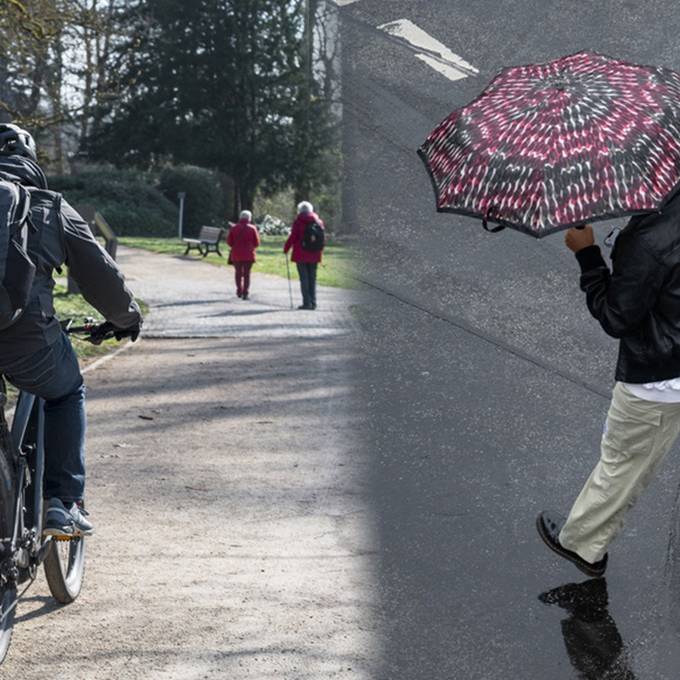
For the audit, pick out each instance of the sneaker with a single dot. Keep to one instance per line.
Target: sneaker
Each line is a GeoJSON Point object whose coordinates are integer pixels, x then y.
{"type": "Point", "coordinates": [549, 526]}
{"type": "Point", "coordinates": [61, 521]}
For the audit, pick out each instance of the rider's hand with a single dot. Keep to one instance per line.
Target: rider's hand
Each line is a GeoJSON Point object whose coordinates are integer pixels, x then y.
{"type": "Point", "coordinates": [578, 239]}
{"type": "Point", "coordinates": [132, 333]}
{"type": "Point", "coordinates": [108, 330]}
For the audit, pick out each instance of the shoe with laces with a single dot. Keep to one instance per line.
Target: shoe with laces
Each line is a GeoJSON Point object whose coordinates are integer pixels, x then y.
{"type": "Point", "coordinates": [61, 521]}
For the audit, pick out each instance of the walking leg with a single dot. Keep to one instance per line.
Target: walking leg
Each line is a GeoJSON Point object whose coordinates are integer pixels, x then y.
{"type": "Point", "coordinates": [303, 273]}
{"type": "Point", "coordinates": [638, 435]}
{"type": "Point", "coordinates": [312, 284]}
{"type": "Point", "coordinates": [246, 277]}
{"type": "Point", "coordinates": [237, 277]}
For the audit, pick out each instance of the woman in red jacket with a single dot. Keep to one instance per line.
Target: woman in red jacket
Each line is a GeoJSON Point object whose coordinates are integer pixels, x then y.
{"type": "Point", "coordinates": [243, 238]}
{"type": "Point", "coordinates": [305, 259]}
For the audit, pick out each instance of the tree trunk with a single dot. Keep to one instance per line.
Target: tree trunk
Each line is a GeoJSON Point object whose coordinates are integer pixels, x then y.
{"type": "Point", "coordinates": [246, 196]}
{"type": "Point", "coordinates": [237, 202]}
{"type": "Point", "coordinates": [56, 95]}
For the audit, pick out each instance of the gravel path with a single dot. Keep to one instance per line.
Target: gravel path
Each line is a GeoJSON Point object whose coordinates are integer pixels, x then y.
{"type": "Point", "coordinates": [192, 299]}
{"type": "Point", "coordinates": [234, 537]}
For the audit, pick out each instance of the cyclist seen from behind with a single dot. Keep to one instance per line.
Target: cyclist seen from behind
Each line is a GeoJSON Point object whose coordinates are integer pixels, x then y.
{"type": "Point", "coordinates": [35, 354]}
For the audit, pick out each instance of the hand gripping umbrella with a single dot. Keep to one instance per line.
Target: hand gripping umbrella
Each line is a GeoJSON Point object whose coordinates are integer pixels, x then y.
{"type": "Point", "coordinates": [550, 146]}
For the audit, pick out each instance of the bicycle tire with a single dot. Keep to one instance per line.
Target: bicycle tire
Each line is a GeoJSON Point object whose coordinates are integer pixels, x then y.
{"type": "Point", "coordinates": [65, 568]}
{"type": "Point", "coordinates": [8, 590]}
{"type": "Point", "coordinates": [8, 597]}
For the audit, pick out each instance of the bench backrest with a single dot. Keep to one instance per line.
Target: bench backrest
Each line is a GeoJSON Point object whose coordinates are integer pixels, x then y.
{"type": "Point", "coordinates": [210, 234]}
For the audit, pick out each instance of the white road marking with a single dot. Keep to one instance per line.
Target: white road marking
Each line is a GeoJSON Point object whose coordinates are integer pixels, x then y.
{"type": "Point", "coordinates": [430, 50]}
{"type": "Point", "coordinates": [342, 3]}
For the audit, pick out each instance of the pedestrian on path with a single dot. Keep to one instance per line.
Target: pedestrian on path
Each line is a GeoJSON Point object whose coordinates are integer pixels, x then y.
{"type": "Point", "coordinates": [243, 238]}
{"type": "Point", "coordinates": [307, 238]}
{"type": "Point", "coordinates": [637, 302]}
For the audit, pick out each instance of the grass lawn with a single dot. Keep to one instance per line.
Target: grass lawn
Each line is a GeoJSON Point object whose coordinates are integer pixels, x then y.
{"type": "Point", "coordinates": [334, 269]}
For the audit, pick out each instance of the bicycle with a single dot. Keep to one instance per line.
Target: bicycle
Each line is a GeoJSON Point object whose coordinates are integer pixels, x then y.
{"type": "Point", "coordinates": [22, 465]}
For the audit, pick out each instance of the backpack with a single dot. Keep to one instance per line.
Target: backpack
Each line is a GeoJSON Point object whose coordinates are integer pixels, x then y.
{"type": "Point", "coordinates": [16, 267]}
{"type": "Point", "coordinates": [313, 237]}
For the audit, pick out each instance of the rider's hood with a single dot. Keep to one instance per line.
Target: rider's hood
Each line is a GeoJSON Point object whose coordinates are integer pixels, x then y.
{"type": "Point", "coordinates": [22, 170]}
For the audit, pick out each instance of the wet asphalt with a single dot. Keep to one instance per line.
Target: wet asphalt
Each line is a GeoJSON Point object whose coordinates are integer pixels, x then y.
{"type": "Point", "coordinates": [485, 381]}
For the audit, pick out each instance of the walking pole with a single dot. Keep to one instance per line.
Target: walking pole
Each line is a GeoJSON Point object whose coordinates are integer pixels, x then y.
{"type": "Point", "coordinates": [290, 289]}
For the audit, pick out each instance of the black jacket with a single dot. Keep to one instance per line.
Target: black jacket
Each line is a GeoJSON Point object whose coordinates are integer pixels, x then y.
{"type": "Point", "coordinates": [63, 237]}
{"type": "Point", "coordinates": [639, 301]}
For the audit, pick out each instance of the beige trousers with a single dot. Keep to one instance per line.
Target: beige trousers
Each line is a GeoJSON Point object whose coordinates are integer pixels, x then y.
{"type": "Point", "coordinates": [638, 434]}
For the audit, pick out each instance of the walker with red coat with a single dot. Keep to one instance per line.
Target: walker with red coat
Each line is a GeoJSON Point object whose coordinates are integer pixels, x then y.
{"type": "Point", "coordinates": [243, 238]}
{"type": "Point", "coordinates": [307, 241]}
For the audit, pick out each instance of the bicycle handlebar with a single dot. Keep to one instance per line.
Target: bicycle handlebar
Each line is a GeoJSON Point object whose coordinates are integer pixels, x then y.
{"type": "Point", "coordinates": [96, 333]}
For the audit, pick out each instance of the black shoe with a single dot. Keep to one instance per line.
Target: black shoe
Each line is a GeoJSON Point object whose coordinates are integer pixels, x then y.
{"type": "Point", "coordinates": [304, 307]}
{"type": "Point", "coordinates": [244, 296]}
{"type": "Point", "coordinates": [549, 526]}
{"type": "Point", "coordinates": [313, 305]}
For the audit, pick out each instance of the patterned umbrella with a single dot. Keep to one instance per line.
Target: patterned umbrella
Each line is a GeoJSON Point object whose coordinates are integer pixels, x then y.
{"type": "Point", "coordinates": [550, 146]}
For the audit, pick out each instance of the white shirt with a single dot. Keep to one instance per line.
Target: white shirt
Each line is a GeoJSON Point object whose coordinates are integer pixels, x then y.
{"type": "Point", "coordinates": [667, 391]}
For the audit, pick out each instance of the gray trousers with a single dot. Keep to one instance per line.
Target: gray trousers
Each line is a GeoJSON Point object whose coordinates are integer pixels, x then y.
{"type": "Point", "coordinates": [638, 435]}
{"type": "Point", "coordinates": [307, 274]}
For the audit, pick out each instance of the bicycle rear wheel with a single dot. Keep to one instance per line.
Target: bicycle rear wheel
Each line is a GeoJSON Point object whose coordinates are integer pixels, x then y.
{"type": "Point", "coordinates": [64, 568]}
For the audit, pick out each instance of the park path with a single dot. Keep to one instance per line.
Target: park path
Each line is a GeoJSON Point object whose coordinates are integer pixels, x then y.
{"type": "Point", "coordinates": [192, 299]}
{"type": "Point", "coordinates": [234, 536]}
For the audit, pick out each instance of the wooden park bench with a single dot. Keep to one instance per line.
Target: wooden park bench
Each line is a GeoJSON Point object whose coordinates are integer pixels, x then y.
{"type": "Point", "coordinates": [208, 241]}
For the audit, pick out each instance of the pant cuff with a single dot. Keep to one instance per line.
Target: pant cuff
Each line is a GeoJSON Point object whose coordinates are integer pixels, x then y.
{"type": "Point", "coordinates": [587, 553]}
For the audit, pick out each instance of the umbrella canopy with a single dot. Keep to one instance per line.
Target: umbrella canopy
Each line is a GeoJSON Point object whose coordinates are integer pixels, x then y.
{"type": "Point", "coordinates": [550, 146]}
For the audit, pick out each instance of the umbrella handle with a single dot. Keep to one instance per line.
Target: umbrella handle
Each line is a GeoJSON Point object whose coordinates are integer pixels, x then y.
{"type": "Point", "coordinates": [492, 230]}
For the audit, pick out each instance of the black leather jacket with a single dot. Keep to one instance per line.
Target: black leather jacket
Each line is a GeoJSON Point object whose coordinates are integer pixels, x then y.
{"type": "Point", "coordinates": [639, 301]}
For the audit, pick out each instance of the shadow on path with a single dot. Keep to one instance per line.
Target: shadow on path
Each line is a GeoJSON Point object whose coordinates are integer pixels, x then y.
{"type": "Point", "coordinates": [47, 606]}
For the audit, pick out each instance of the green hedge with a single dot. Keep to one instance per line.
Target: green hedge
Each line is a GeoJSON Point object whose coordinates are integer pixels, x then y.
{"type": "Point", "coordinates": [126, 198]}
{"type": "Point", "coordinates": [204, 202]}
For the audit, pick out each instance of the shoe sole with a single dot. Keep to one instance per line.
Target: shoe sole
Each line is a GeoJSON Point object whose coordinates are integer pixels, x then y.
{"type": "Point", "coordinates": [578, 562]}
{"type": "Point", "coordinates": [62, 535]}
{"type": "Point", "coordinates": [59, 533]}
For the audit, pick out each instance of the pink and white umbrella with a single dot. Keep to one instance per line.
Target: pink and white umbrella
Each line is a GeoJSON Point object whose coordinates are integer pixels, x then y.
{"type": "Point", "coordinates": [549, 146]}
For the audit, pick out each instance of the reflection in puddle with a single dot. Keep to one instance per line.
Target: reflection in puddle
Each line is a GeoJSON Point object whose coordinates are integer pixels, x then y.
{"type": "Point", "coordinates": [593, 642]}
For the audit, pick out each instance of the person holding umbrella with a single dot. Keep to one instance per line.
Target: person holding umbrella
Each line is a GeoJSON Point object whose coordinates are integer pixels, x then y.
{"type": "Point", "coordinates": [555, 146]}
{"type": "Point", "coordinates": [307, 239]}
{"type": "Point", "coordinates": [243, 239]}
{"type": "Point", "coordinates": [636, 302]}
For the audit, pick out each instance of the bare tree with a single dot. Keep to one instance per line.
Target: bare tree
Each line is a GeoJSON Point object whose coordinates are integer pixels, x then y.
{"type": "Point", "coordinates": [57, 65]}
